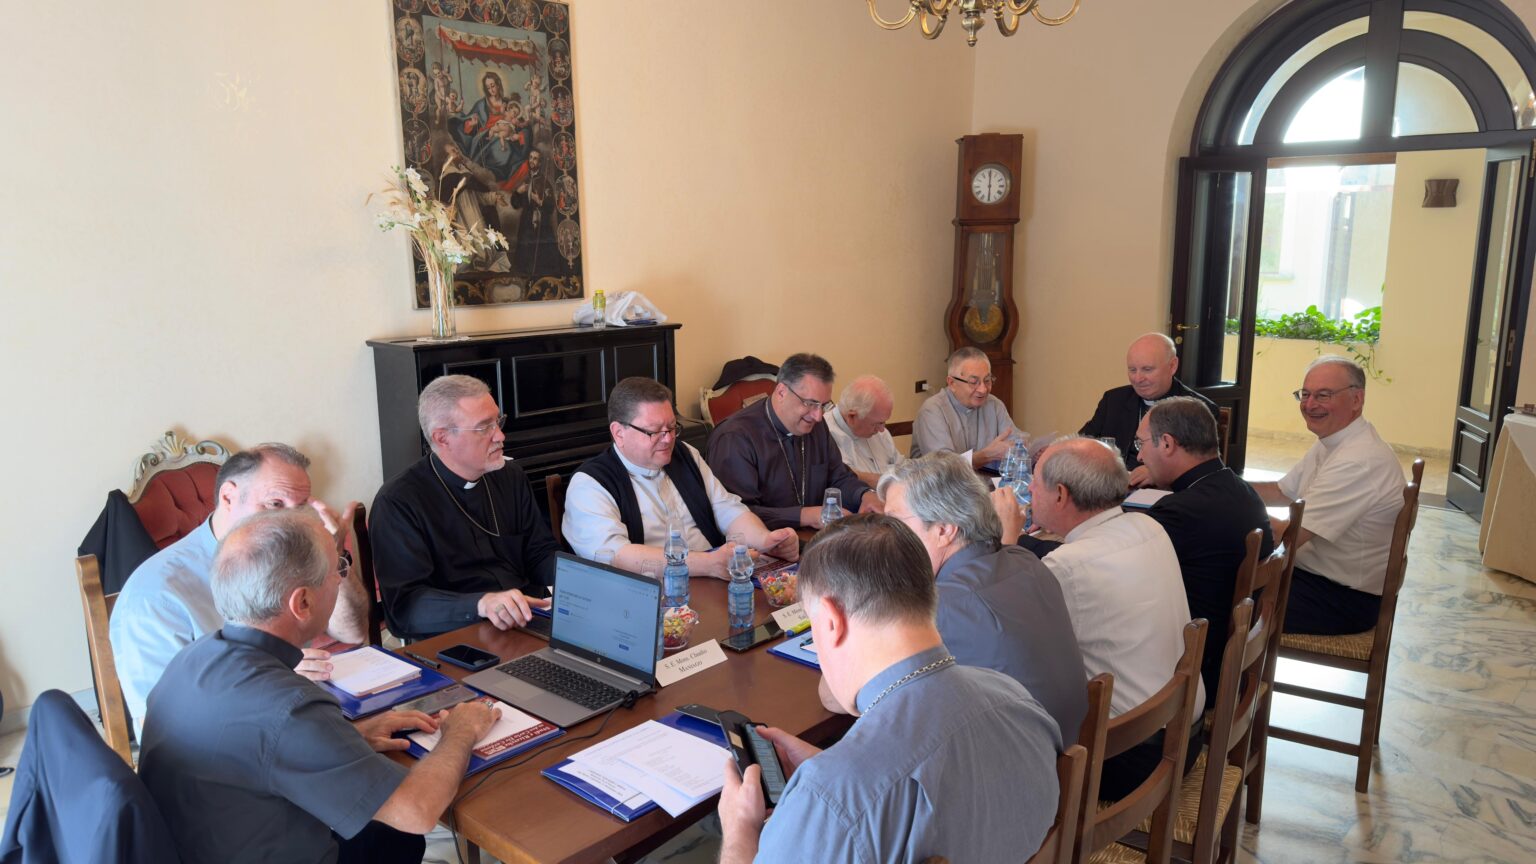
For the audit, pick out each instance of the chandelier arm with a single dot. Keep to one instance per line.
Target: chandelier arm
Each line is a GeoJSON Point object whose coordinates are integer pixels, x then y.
{"type": "Point", "coordinates": [922, 23]}
{"type": "Point", "coordinates": [893, 25]}
{"type": "Point", "coordinates": [1012, 25]}
{"type": "Point", "coordinates": [1056, 22]}
{"type": "Point", "coordinates": [1019, 8]}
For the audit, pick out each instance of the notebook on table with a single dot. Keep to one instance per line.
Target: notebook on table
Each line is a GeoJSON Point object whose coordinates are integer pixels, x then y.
{"type": "Point", "coordinates": [360, 681]}
{"type": "Point", "coordinates": [512, 733]}
{"type": "Point", "coordinates": [605, 627]}
{"type": "Point", "coordinates": [799, 648]}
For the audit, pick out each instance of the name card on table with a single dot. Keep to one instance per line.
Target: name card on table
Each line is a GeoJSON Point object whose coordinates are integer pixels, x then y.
{"type": "Point", "coordinates": [791, 619]}
{"type": "Point", "coordinates": [689, 662]}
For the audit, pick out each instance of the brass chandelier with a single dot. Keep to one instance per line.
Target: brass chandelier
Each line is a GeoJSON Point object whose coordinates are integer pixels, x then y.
{"type": "Point", "coordinates": [931, 16]}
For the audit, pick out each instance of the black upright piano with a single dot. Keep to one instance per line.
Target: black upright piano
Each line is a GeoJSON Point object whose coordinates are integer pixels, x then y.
{"type": "Point", "coordinates": [552, 384]}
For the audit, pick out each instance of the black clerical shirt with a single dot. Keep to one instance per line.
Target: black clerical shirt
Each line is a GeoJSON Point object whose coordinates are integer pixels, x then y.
{"type": "Point", "coordinates": [1208, 518]}
{"type": "Point", "coordinates": [1120, 411]}
{"type": "Point", "coordinates": [434, 563]}
{"type": "Point", "coordinates": [776, 473]}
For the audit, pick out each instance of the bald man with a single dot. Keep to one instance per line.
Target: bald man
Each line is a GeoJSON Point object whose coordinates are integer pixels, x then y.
{"type": "Point", "coordinates": [1150, 364]}
{"type": "Point", "coordinates": [857, 424]}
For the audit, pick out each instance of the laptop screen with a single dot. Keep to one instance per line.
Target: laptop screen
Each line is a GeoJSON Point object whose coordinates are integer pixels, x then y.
{"type": "Point", "coordinates": [609, 615]}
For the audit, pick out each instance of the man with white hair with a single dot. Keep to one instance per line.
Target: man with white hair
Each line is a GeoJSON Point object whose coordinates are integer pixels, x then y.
{"type": "Point", "coordinates": [1353, 486]}
{"type": "Point", "coordinates": [250, 762]}
{"type": "Point", "coordinates": [999, 607]}
{"type": "Point", "coordinates": [965, 418]}
{"type": "Point", "coordinates": [1150, 364]}
{"type": "Point", "coordinates": [457, 537]}
{"type": "Point", "coordinates": [1120, 577]}
{"type": "Point", "coordinates": [857, 424]}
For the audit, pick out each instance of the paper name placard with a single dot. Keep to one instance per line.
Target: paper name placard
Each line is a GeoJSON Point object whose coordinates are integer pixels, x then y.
{"type": "Point", "coordinates": [689, 661]}
{"type": "Point", "coordinates": [790, 617]}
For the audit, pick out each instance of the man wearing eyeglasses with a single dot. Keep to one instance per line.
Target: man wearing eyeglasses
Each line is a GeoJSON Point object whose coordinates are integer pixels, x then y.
{"type": "Point", "coordinates": [966, 418]}
{"type": "Point", "coordinates": [627, 498]}
{"type": "Point", "coordinates": [1150, 365]}
{"type": "Point", "coordinates": [1353, 486]}
{"type": "Point", "coordinates": [457, 537]}
{"type": "Point", "coordinates": [778, 456]}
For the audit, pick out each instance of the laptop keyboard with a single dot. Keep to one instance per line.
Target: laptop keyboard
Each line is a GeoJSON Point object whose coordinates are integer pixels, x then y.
{"type": "Point", "coordinates": [587, 692]}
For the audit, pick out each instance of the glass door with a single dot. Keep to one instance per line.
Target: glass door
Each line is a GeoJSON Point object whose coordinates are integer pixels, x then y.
{"type": "Point", "coordinates": [1215, 274]}
{"type": "Point", "coordinates": [1490, 360]}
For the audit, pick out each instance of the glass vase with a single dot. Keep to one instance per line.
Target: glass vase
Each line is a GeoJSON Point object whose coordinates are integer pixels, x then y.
{"type": "Point", "coordinates": [440, 291]}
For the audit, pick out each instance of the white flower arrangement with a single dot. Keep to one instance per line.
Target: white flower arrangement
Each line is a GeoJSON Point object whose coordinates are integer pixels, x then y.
{"type": "Point", "coordinates": [433, 224]}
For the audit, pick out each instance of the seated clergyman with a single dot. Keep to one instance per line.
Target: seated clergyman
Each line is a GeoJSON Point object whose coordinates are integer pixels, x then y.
{"type": "Point", "coordinates": [857, 424]}
{"type": "Point", "coordinates": [457, 536]}
{"type": "Point", "coordinates": [626, 499]}
{"type": "Point", "coordinates": [1150, 364]}
{"type": "Point", "coordinates": [168, 603]}
{"type": "Point", "coordinates": [965, 417]}
{"type": "Point", "coordinates": [778, 456]}
{"type": "Point", "coordinates": [943, 759]}
{"type": "Point", "coordinates": [250, 762]}
{"type": "Point", "coordinates": [1353, 486]}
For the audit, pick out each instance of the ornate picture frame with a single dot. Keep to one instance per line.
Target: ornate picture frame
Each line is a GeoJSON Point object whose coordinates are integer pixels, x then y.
{"type": "Point", "coordinates": [486, 101]}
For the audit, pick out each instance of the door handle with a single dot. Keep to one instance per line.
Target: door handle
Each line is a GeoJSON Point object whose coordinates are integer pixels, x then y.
{"type": "Point", "coordinates": [1186, 326]}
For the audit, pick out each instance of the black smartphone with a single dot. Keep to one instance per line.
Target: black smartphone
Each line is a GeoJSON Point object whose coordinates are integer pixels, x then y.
{"type": "Point", "coordinates": [468, 657]}
{"type": "Point", "coordinates": [751, 748]}
{"type": "Point", "coordinates": [746, 639]}
{"type": "Point", "coordinates": [435, 702]}
{"type": "Point", "coordinates": [700, 712]}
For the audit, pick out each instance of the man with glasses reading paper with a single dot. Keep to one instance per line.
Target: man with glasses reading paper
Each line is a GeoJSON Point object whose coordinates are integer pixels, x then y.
{"type": "Point", "coordinates": [1353, 486]}
{"type": "Point", "coordinates": [457, 537]}
{"type": "Point", "coordinates": [778, 456]}
{"type": "Point", "coordinates": [965, 418]}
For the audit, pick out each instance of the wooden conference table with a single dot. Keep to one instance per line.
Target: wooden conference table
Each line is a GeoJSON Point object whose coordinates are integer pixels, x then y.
{"type": "Point", "coordinates": [519, 816]}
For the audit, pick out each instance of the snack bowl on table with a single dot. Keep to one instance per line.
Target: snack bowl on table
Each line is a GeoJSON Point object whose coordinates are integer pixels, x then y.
{"type": "Point", "coordinates": [677, 627]}
{"type": "Point", "coordinates": [780, 587]}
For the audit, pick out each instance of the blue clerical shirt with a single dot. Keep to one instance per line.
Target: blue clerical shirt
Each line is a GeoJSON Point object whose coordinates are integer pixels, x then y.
{"type": "Point", "coordinates": [959, 762]}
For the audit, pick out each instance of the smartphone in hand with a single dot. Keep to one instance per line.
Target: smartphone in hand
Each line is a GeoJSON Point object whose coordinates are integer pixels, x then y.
{"type": "Point", "coordinates": [751, 748]}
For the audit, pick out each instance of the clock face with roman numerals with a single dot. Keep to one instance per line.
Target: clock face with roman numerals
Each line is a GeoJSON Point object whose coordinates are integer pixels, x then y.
{"type": "Point", "coordinates": [990, 184]}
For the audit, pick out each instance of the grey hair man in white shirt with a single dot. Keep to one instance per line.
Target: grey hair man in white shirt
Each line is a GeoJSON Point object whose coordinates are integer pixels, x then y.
{"type": "Point", "coordinates": [857, 424]}
{"type": "Point", "coordinates": [626, 499]}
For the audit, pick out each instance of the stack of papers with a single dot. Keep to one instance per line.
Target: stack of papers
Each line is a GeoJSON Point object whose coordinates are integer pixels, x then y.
{"type": "Point", "coordinates": [369, 670]}
{"type": "Point", "coordinates": [653, 761]}
{"type": "Point", "coordinates": [511, 732]}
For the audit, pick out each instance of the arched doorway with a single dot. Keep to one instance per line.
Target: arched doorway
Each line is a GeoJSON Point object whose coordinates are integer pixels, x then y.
{"type": "Point", "coordinates": [1309, 144]}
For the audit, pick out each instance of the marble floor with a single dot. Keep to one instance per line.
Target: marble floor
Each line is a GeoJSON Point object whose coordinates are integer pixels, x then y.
{"type": "Point", "coordinates": [1455, 776]}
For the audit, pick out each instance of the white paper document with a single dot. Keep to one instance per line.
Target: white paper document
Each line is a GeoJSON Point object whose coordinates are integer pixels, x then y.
{"type": "Point", "coordinates": [1144, 498]}
{"type": "Point", "coordinates": [369, 670]}
{"type": "Point", "coordinates": [669, 766]}
{"type": "Point", "coordinates": [512, 729]}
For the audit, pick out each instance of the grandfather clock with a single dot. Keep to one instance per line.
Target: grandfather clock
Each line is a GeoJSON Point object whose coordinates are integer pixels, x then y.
{"type": "Point", "coordinates": [981, 312]}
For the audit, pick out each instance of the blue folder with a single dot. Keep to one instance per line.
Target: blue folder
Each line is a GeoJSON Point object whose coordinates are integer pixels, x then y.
{"type": "Point", "coordinates": [354, 707]}
{"type": "Point", "coordinates": [478, 763]}
{"type": "Point", "coordinates": [710, 732]}
{"type": "Point", "coordinates": [793, 648]}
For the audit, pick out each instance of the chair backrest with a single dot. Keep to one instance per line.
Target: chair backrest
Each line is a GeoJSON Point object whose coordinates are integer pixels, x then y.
{"type": "Point", "coordinates": [716, 405]}
{"type": "Point", "coordinates": [554, 496]}
{"type": "Point", "coordinates": [362, 549]}
{"type": "Point", "coordinates": [1169, 710]}
{"type": "Point", "coordinates": [109, 691]}
{"type": "Point", "coordinates": [1397, 560]}
{"type": "Point", "coordinates": [1090, 736]}
{"type": "Point", "coordinates": [173, 486]}
{"type": "Point", "coordinates": [1239, 694]}
{"type": "Point", "coordinates": [1071, 768]}
{"type": "Point", "coordinates": [1223, 430]}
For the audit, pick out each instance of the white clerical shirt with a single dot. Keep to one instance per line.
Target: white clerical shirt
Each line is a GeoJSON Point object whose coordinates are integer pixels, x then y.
{"type": "Point", "coordinates": [876, 454]}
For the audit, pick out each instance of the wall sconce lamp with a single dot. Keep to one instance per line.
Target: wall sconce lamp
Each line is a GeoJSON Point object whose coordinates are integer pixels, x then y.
{"type": "Point", "coordinates": [1440, 193]}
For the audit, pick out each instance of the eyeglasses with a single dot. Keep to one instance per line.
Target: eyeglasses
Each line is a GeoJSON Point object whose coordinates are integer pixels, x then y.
{"type": "Point", "coordinates": [483, 428]}
{"type": "Point", "coordinates": [975, 383]}
{"type": "Point", "coordinates": [1322, 397]}
{"type": "Point", "coordinates": [675, 430]}
{"type": "Point", "coordinates": [344, 566]}
{"type": "Point", "coordinates": [1138, 443]}
{"type": "Point", "coordinates": [811, 404]}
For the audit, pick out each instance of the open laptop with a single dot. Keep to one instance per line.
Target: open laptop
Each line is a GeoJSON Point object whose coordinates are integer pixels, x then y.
{"type": "Point", "coordinates": [602, 646]}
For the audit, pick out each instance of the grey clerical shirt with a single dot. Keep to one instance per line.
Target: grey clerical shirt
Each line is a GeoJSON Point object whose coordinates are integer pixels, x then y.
{"type": "Point", "coordinates": [944, 424]}
{"type": "Point", "coordinates": [959, 762]}
{"type": "Point", "coordinates": [1001, 608]}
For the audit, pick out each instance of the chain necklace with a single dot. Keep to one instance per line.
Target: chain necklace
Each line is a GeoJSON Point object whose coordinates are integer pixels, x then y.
{"type": "Point", "coordinates": [800, 440]}
{"type": "Point", "coordinates": [490, 502]}
{"type": "Point", "coordinates": [942, 661]}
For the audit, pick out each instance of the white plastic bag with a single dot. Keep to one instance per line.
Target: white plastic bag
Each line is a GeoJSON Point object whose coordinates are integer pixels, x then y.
{"type": "Point", "coordinates": [623, 308]}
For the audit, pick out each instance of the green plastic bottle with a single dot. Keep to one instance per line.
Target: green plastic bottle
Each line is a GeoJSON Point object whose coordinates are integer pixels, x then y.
{"type": "Point", "coordinates": [599, 309]}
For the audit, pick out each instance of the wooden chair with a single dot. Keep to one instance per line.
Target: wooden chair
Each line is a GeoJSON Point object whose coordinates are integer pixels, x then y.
{"type": "Point", "coordinates": [1153, 803]}
{"type": "Point", "coordinates": [554, 496]}
{"type": "Point", "coordinates": [173, 486]}
{"type": "Point", "coordinates": [1223, 431]}
{"type": "Point", "coordinates": [1090, 736]}
{"type": "Point", "coordinates": [1071, 768]}
{"type": "Point", "coordinates": [363, 549]}
{"type": "Point", "coordinates": [1261, 580]}
{"type": "Point", "coordinates": [716, 405]}
{"type": "Point", "coordinates": [899, 428]}
{"type": "Point", "coordinates": [97, 606]}
{"type": "Point", "coordinates": [1358, 652]}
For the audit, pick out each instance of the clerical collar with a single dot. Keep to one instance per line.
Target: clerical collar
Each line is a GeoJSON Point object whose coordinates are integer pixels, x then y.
{"type": "Point", "coordinates": [452, 479]}
{"type": "Point", "coordinates": [1355, 427]}
{"type": "Point", "coordinates": [643, 473]}
{"type": "Point", "coordinates": [773, 420]}
{"type": "Point", "coordinates": [956, 403]}
{"type": "Point", "coordinates": [1197, 473]}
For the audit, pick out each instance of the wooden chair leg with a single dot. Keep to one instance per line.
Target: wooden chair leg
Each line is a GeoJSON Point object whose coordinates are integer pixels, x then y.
{"type": "Point", "coordinates": [1370, 719]}
{"type": "Point", "coordinates": [1260, 738]}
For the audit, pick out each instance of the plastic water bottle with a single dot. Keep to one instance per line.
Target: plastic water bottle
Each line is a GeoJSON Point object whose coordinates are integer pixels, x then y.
{"type": "Point", "coordinates": [832, 507]}
{"type": "Point", "coordinates": [675, 575]}
{"type": "Point", "coordinates": [1022, 478]}
{"type": "Point", "coordinates": [740, 592]}
{"type": "Point", "coordinates": [599, 309]}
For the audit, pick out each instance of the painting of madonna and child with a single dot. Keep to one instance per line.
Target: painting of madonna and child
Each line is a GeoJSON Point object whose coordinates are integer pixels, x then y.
{"type": "Point", "coordinates": [486, 101]}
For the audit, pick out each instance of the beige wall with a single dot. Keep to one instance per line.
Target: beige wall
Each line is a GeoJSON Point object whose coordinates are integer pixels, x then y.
{"type": "Point", "coordinates": [185, 242]}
